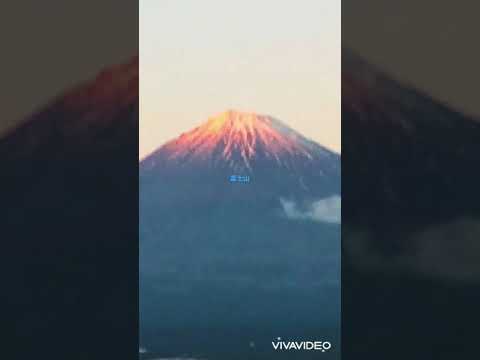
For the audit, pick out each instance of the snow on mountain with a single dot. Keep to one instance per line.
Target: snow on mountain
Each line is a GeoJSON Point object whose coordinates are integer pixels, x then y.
{"type": "Point", "coordinates": [240, 141]}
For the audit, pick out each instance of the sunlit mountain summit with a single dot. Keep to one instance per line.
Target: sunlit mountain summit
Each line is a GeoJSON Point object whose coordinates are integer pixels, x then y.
{"type": "Point", "coordinates": [246, 143]}
{"type": "Point", "coordinates": [241, 139]}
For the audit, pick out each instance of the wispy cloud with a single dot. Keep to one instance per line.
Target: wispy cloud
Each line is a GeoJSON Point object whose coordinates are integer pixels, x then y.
{"type": "Point", "coordinates": [323, 210]}
{"type": "Point", "coordinates": [447, 251]}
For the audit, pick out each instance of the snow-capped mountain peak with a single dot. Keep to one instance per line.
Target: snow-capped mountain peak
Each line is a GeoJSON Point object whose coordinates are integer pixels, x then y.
{"type": "Point", "coordinates": [240, 139]}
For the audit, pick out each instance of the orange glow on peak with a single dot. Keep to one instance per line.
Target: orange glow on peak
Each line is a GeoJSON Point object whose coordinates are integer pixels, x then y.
{"type": "Point", "coordinates": [234, 135]}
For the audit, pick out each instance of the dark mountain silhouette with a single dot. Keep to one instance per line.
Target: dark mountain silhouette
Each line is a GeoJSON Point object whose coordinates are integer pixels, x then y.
{"type": "Point", "coordinates": [226, 264]}
{"type": "Point", "coordinates": [409, 157]}
{"type": "Point", "coordinates": [69, 189]}
{"type": "Point", "coordinates": [409, 222]}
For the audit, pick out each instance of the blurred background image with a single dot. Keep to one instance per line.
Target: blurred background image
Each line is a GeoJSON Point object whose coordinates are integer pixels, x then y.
{"type": "Point", "coordinates": [69, 180]}
{"type": "Point", "coordinates": [410, 221]}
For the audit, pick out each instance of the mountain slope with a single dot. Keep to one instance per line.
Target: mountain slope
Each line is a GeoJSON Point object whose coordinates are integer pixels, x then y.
{"type": "Point", "coordinates": [233, 247]}
{"type": "Point", "coordinates": [235, 143]}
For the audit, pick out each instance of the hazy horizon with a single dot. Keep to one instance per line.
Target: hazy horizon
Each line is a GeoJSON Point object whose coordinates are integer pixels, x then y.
{"type": "Point", "coordinates": [199, 59]}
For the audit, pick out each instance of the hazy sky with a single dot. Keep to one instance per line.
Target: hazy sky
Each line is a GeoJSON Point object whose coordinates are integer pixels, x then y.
{"type": "Point", "coordinates": [431, 45]}
{"type": "Point", "coordinates": [199, 58]}
{"type": "Point", "coordinates": [47, 51]}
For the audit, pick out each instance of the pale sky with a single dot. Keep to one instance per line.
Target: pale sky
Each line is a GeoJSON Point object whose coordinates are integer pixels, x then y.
{"type": "Point", "coordinates": [275, 57]}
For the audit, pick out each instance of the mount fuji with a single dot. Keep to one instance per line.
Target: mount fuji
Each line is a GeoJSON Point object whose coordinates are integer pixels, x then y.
{"type": "Point", "coordinates": [227, 267]}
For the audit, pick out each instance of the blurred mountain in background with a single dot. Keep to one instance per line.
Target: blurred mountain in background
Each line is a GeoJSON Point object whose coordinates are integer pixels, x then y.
{"type": "Point", "coordinates": [69, 183]}
{"type": "Point", "coordinates": [410, 221]}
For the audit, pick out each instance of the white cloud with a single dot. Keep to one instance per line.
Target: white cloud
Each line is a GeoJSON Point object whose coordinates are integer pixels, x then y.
{"type": "Point", "coordinates": [327, 210]}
